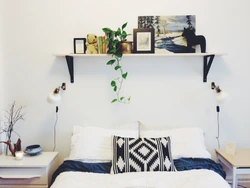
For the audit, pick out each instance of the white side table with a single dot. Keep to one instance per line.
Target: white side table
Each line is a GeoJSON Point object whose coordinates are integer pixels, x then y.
{"type": "Point", "coordinates": [239, 163]}
{"type": "Point", "coordinates": [31, 171]}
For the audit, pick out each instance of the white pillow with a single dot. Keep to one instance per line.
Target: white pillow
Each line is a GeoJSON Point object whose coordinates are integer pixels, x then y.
{"type": "Point", "coordinates": [94, 144]}
{"type": "Point", "coordinates": [185, 142]}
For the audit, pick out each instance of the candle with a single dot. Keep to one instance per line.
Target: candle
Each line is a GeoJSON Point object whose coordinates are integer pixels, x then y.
{"type": "Point", "coordinates": [19, 155]}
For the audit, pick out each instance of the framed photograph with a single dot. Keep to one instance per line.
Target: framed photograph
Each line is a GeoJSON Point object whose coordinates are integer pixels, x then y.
{"type": "Point", "coordinates": [143, 40]}
{"type": "Point", "coordinates": [79, 45]}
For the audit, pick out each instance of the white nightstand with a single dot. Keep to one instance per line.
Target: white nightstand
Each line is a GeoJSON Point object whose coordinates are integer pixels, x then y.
{"type": "Point", "coordinates": [239, 163]}
{"type": "Point", "coordinates": [31, 171]}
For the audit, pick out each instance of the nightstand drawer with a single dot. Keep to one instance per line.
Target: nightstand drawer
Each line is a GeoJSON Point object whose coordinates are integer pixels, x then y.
{"type": "Point", "coordinates": [30, 172]}
{"type": "Point", "coordinates": [23, 176]}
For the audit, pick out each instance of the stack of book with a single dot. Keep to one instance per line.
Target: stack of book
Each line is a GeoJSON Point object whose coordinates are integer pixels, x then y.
{"type": "Point", "coordinates": [102, 46]}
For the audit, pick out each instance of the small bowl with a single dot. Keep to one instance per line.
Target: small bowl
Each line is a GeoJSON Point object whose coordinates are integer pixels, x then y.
{"type": "Point", "coordinates": [33, 150]}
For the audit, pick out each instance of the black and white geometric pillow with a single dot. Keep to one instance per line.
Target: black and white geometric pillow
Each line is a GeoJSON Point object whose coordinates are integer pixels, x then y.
{"type": "Point", "coordinates": [142, 154]}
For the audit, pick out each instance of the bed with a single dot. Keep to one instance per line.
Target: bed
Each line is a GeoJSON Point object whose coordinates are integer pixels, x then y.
{"type": "Point", "coordinates": [132, 158]}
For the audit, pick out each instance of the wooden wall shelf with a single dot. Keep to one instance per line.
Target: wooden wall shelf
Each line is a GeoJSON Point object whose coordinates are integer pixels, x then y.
{"type": "Point", "coordinates": [207, 59]}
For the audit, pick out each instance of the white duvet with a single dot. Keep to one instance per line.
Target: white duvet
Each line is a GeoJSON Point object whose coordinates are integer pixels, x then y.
{"type": "Point", "coordinates": [181, 179]}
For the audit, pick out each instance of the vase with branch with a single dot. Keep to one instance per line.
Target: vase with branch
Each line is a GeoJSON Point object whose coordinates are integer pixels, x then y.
{"type": "Point", "coordinates": [11, 117]}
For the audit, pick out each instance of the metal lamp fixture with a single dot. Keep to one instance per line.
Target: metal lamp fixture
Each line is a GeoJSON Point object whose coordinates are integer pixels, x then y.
{"type": "Point", "coordinates": [55, 98]}
{"type": "Point", "coordinates": [221, 98]}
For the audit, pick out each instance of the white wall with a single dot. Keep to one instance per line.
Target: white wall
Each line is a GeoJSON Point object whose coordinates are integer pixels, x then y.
{"type": "Point", "coordinates": [1, 66]}
{"type": "Point", "coordinates": [165, 91]}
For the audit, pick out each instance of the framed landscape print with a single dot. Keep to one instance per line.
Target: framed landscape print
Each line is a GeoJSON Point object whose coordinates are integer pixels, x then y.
{"type": "Point", "coordinates": [168, 31]}
{"type": "Point", "coordinates": [143, 40]}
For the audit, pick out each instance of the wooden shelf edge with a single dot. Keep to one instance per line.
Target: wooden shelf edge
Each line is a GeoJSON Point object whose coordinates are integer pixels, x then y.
{"type": "Point", "coordinates": [142, 55]}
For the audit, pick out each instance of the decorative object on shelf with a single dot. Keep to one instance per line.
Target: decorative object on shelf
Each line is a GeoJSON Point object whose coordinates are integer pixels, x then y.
{"type": "Point", "coordinates": [33, 150]}
{"type": "Point", "coordinates": [168, 31]}
{"type": "Point", "coordinates": [79, 45]}
{"type": "Point", "coordinates": [91, 43]}
{"type": "Point", "coordinates": [55, 98]}
{"type": "Point", "coordinates": [126, 47]}
{"type": "Point", "coordinates": [193, 40]}
{"type": "Point", "coordinates": [11, 118]}
{"type": "Point", "coordinates": [19, 155]}
{"type": "Point", "coordinates": [230, 148]}
{"type": "Point", "coordinates": [221, 98]}
{"type": "Point", "coordinates": [113, 40]}
{"type": "Point", "coordinates": [143, 40]}
{"type": "Point", "coordinates": [101, 45]}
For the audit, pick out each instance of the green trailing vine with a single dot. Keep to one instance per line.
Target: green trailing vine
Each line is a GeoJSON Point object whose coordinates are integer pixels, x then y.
{"type": "Point", "coordinates": [113, 40]}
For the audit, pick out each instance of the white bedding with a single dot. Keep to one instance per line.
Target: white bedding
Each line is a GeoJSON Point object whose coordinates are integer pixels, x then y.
{"type": "Point", "coordinates": [182, 179]}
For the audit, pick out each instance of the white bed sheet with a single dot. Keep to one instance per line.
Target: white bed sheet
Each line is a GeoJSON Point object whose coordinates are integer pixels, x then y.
{"type": "Point", "coordinates": [182, 179]}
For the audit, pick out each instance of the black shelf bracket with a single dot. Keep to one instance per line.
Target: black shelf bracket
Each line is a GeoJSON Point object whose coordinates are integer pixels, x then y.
{"type": "Point", "coordinates": [206, 65]}
{"type": "Point", "coordinates": [70, 63]}
{"type": "Point", "coordinates": [207, 62]}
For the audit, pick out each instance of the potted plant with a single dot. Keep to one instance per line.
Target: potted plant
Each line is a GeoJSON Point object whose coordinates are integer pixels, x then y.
{"type": "Point", "coordinates": [114, 41]}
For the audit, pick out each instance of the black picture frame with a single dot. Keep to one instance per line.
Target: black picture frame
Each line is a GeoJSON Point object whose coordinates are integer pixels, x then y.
{"type": "Point", "coordinates": [79, 45]}
{"type": "Point", "coordinates": [143, 40]}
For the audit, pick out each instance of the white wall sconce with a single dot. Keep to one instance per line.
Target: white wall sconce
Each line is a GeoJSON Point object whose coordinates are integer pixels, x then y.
{"type": "Point", "coordinates": [221, 98]}
{"type": "Point", "coordinates": [55, 98]}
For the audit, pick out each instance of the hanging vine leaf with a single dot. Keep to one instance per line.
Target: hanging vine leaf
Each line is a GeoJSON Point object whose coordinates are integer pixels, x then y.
{"type": "Point", "coordinates": [125, 75]}
{"type": "Point", "coordinates": [117, 67]}
{"type": "Point", "coordinates": [111, 62]}
{"type": "Point", "coordinates": [113, 40]}
{"type": "Point", "coordinates": [113, 83]}
{"type": "Point", "coordinates": [118, 54]}
{"type": "Point", "coordinates": [114, 100]}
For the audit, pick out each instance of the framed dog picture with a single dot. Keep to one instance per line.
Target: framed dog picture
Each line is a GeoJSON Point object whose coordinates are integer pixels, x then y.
{"type": "Point", "coordinates": [143, 40]}
{"type": "Point", "coordinates": [79, 45]}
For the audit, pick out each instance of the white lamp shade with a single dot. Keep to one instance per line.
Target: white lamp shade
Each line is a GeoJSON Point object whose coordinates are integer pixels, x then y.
{"type": "Point", "coordinates": [54, 98]}
{"type": "Point", "coordinates": [222, 97]}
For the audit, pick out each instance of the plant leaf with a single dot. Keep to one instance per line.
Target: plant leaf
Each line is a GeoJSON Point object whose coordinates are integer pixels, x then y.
{"type": "Point", "coordinates": [124, 35]}
{"type": "Point", "coordinates": [111, 62]}
{"type": "Point", "coordinates": [118, 54]}
{"type": "Point", "coordinates": [115, 42]}
{"type": "Point", "coordinates": [115, 88]}
{"type": "Point", "coordinates": [117, 67]}
{"type": "Point", "coordinates": [121, 98]}
{"type": "Point", "coordinates": [106, 40]}
{"type": "Point", "coordinates": [107, 30]}
{"type": "Point", "coordinates": [124, 25]}
{"type": "Point", "coordinates": [113, 83]}
{"type": "Point", "coordinates": [112, 51]}
{"type": "Point", "coordinates": [118, 32]}
{"type": "Point", "coordinates": [124, 75]}
{"type": "Point", "coordinates": [129, 98]}
{"type": "Point", "coordinates": [114, 100]}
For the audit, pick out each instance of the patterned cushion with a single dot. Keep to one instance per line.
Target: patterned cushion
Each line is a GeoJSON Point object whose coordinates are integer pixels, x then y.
{"type": "Point", "coordinates": [142, 154]}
